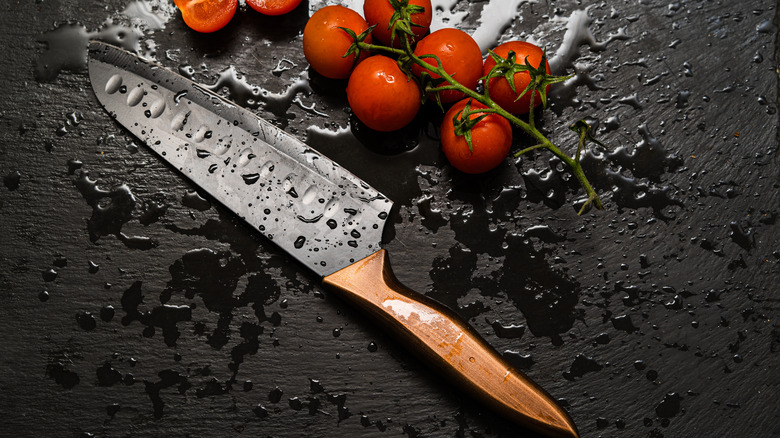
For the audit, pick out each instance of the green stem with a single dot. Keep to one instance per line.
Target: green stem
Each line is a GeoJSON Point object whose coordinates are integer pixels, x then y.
{"type": "Point", "coordinates": [531, 110]}
{"type": "Point", "coordinates": [538, 146]}
{"type": "Point", "coordinates": [379, 48]}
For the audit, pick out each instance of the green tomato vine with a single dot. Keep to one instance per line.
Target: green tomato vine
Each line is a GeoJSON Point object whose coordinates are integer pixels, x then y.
{"type": "Point", "coordinates": [434, 79]}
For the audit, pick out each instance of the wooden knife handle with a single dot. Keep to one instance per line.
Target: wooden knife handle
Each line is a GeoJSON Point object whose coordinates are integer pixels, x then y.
{"type": "Point", "coordinates": [449, 345]}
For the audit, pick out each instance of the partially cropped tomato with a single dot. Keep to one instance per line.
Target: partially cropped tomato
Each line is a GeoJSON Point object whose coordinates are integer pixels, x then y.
{"type": "Point", "coordinates": [491, 139]}
{"type": "Point", "coordinates": [460, 57]}
{"type": "Point", "coordinates": [324, 43]}
{"type": "Point", "coordinates": [499, 88]}
{"type": "Point", "coordinates": [206, 15]}
{"type": "Point", "coordinates": [380, 12]}
{"type": "Point", "coordinates": [381, 95]}
{"type": "Point", "coordinates": [273, 7]}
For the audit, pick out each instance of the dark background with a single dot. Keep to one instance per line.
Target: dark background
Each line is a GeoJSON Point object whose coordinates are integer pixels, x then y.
{"type": "Point", "coordinates": [131, 305]}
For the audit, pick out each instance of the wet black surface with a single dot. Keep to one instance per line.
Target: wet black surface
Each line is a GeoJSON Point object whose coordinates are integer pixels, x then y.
{"type": "Point", "coordinates": [131, 304]}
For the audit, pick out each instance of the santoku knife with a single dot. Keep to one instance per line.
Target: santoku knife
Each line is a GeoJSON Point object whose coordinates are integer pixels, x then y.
{"type": "Point", "coordinates": [318, 212]}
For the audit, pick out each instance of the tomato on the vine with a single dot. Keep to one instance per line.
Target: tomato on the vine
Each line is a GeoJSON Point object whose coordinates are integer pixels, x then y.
{"type": "Point", "coordinates": [381, 95]}
{"type": "Point", "coordinates": [491, 139]}
{"type": "Point", "coordinates": [460, 57]}
{"type": "Point", "coordinates": [379, 13]}
{"type": "Point", "coordinates": [206, 15]}
{"type": "Point", "coordinates": [499, 88]}
{"type": "Point", "coordinates": [324, 43]}
{"type": "Point", "coordinates": [273, 7]}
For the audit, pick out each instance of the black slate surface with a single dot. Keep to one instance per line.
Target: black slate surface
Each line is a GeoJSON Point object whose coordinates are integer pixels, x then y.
{"type": "Point", "coordinates": [133, 306]}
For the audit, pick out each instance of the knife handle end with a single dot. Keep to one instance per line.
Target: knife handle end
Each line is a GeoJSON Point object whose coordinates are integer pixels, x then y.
{"type": "Point", "coordinates": [449, 345]}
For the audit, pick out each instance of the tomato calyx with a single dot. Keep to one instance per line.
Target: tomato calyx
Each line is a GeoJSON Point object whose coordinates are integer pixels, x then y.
{"type": "Point", "coordinates": [464, 123]}
{"type": "Point", "coordinates": [401, 23]}
{"type": "Point", "coordinates": [355, 49]}
{"type": "Point", "coordinates": [540, 79]}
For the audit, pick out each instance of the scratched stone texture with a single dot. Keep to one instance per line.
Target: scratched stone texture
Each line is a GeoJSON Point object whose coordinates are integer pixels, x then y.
{"type": "Point", "coordinates": [132, 305]}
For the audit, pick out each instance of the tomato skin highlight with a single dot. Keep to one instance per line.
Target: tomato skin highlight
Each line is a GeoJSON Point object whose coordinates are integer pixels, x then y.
{"type": "Point", "coordinates": [273, 7]}
{"type": "Point", "coordinates": [491, 139]}
{"type": "Point", "coordinates": [460, 56]}
{"type": "Point", "coordinates": [206, 15]}
{"type": "Point", "coordinates": [379, 12]}
{"type": "Point", "coordinates": [499, 88]}
{"type": "Point", "coordinates": [324, 44]}
{"type": "Point", "coordinates": [381, 95]}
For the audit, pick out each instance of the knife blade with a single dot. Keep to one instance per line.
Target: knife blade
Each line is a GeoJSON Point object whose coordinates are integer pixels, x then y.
{"type": "Point", "coordinates": [315, 210]}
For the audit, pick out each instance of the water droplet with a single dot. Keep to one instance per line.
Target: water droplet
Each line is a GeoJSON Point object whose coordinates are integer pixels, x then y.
{"type": "Point", "coordinates": [299, 242]}
{"type": "Point", "coordinates": [12, 180]}
{"type": "Point", "coordinates": [309, 195]}
{"type": "Point", "coordinates": [135, 96]}
{"type": "Point", "coordinates": [49, 275]}
{"type": "Point", "coordinates": [275, 395]}
{"type": "Point", "coordinates": [86, 320]}
{"type": "Point", "coordinates": [222, 146]}
{"type": "Point", "coordinates": [669, 406]}
{"type": "Point", "coordinates": [156, 109]}
{"type": "Point", "coordinates": [107, 313]}
{"type": "Point", "coordinates": [179, 120]}
{"type": "Point", "coordinates": [113, 84]}
{"type": "Point", "coordinates": [332, 224]}
{"type": "Point", "coordinates": [178, 96]}
{"type": "Point", "coordinates": [201, 134]}
{"type": "Point", "coordinates": [245, 157]}
{"type": "Point", "coordinates": [251, 178]}
{"type": "Point", "coordinates": [309, 220]}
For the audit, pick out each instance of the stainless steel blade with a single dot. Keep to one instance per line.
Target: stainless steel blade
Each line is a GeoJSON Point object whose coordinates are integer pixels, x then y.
{"type": "Point", "coordinates": [317, 211]}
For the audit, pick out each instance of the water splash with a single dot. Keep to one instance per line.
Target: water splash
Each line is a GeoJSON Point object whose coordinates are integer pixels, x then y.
{"type": "Point", "coordinates": [234, 86]}
{"type": "Point", "coordinates": [66, 45]}
{"type": "Point", "coordinates": [496, 17]}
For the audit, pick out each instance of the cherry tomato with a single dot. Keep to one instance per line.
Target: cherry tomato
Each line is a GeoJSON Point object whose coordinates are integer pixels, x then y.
{"type": "Point", "coordinates": [381, 95]}
{"type": "Point", "coordinates": [499, 88]}
{"type": "Point", "coordinates": [379, 12]}
{"type": "Point", "coordinates": [273, 7]}
{"type": "Point", "coordinates": [206, 15]}
{"type": "Point", "coordinates": [491, 139]}
{"type": "Point", "coordinates": [459, 54]}
{"type": "Point", "coordinates": [324, 44]}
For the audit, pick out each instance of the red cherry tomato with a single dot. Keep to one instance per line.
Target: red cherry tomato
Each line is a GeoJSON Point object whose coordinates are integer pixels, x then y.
{"type": "Point", "coordinates": [499, 88]}
{"type": "Point", "coordinates": [381, 95]}
{"type": "Point", "coordinates": [459, 54]}
{"type": "Point", "coordinates": [491, 139]}
{"type": "Point", "coordinates": [379, 12]}
{"type": "Point", "coordinates": [206, 15]}
{"type": "Point", "coordinates": [273, 7]}
{"type": "Point", "coordinates": [324, 44]}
